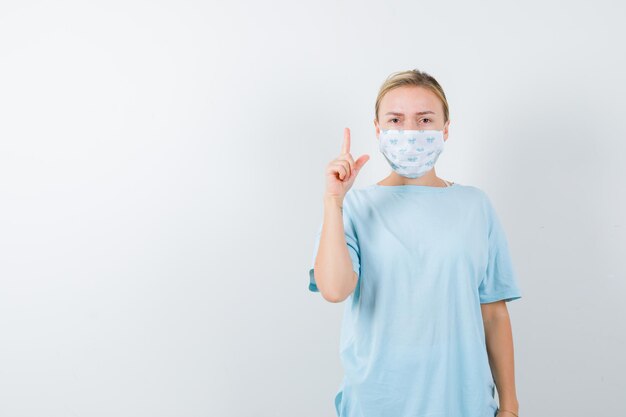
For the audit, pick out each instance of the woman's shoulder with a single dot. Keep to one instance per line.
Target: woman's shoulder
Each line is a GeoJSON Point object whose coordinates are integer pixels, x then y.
{"type": "Point", "coordinates": [373, 194]}
{"type": "Point", "coordinates": [472, 189]}
{"type": "Point", "coordinates": [473, 193]}
{"type": "Point", "coordinates": [480, 197]}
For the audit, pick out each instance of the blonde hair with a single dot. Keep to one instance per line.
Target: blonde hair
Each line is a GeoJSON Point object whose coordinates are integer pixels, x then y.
{"type": "Point", "coordinates": [412, 77]}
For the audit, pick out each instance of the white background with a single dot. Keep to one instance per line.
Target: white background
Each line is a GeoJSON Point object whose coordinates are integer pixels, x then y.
{"type": "Point", "coordinates": [161, 174]}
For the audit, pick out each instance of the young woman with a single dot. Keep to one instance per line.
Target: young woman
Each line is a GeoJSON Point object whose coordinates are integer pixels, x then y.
{"type": "Point", "coordinates": [425, 267]}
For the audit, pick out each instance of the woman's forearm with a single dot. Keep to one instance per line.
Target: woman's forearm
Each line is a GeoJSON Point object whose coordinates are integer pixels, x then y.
{"type": "Point", "coordinates": [499, 340]}
{"type": "Point", "coordinates": [334, 275]}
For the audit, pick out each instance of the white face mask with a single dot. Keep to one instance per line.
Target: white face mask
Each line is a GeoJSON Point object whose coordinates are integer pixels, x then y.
{"type": "Point", "coordinates": [411, 153]}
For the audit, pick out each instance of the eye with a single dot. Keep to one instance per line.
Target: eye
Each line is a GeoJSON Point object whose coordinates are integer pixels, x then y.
{"type": "Point", "coordinates": [426, 118]}
{"type": "Point", "coordinates": [395, 118]}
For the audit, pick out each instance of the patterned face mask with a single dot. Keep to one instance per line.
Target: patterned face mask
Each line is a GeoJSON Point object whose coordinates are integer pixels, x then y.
{"type": "Point", "coordinates": [411, 153]}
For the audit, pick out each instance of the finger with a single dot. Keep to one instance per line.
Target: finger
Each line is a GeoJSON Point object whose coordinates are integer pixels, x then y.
{"type": "Point", "coordinates": [347, 157]}
{"type": "Point", "coordinates": [358, 165]}
{"type": "Point", "coordinates": [345, 147]}
{"type": "Point", "coordinates": [343, 170]}
{"type": "Point", "coordinates": [361, 161]}
{"type": "Point", "coordinates": [334, 168]}
{"type": "Point", "coordinates": [346, 165]}
{"type": "Point", "coordinates": [340, 171]}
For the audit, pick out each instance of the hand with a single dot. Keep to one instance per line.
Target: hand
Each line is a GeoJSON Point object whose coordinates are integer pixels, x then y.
{"type": "Point", "coordinates": [342, 171]}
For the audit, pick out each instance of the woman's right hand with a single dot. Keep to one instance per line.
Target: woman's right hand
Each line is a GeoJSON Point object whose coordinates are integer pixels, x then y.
{"type": "Point", "coordinates": [342, 171]}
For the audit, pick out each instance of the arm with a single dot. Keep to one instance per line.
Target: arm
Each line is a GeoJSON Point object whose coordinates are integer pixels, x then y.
{"type": "Point", "coordinates": [334, 275]}
{"type": "Point", "coordinates": [499, 340]}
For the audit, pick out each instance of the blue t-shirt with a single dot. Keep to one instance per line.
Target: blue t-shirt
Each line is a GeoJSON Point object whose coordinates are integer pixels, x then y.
{"type": "Point", "coordinates": [412, 338]}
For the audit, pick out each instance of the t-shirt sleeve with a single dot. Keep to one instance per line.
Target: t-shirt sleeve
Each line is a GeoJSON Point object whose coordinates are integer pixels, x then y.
{"type": "Point", "coordinates": [351, 242]}
{"type": "Point", "coordinates": [500, 279]}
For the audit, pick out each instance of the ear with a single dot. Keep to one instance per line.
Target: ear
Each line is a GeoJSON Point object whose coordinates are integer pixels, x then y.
{"type": "Point", "coordinates": [377, 128]}
{"type": "Point", "coordinates": [445, 130]}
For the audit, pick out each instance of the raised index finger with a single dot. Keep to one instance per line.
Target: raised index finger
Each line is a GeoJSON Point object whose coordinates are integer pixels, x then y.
{"type": "Point", "coordinates": [345, 147]}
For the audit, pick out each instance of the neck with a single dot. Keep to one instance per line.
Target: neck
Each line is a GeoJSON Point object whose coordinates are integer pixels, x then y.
{"type": "Point", "coordinates": [429, 179]}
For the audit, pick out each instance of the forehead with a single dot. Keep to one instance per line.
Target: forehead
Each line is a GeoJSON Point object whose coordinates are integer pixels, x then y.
{"type": "Point", "coordinates": [410, 99]}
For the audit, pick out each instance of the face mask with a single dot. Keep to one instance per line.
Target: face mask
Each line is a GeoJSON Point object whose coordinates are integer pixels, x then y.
{"type": "Point", "coordinates": [411, 153]}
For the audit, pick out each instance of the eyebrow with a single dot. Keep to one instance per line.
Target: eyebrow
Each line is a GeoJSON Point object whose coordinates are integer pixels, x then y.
{"type": "Point", "coordinates": [419, 113]}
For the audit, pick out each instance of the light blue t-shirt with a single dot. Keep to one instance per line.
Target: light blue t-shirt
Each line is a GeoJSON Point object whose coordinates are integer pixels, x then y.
{"type": "Point", "coordinates": [412, 338]}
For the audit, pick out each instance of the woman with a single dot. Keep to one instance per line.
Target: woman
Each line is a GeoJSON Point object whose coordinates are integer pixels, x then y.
{"type": "Point", "coordinates": [425, 267]}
